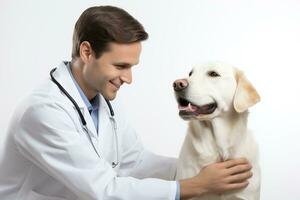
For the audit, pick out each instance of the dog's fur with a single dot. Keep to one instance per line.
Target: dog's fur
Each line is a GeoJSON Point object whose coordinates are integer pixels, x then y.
{"type": "Point", "coordinates": [223, 133]}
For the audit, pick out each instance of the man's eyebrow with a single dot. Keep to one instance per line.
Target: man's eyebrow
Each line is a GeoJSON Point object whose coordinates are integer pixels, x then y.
{"type": "Point", "coordinates": [125, 64]}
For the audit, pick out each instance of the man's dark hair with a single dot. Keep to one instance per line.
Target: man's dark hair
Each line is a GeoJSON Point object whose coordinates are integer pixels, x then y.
{"type": "Point", "coordinates": [101, 25]}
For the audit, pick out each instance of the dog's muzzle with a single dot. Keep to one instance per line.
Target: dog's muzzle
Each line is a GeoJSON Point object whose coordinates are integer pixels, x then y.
{"type": "Point", "coordinates": [187, 108]}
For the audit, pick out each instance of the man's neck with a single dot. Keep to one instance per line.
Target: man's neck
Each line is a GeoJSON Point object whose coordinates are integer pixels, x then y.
{"type": "Point", "coordinates": [77, 71]}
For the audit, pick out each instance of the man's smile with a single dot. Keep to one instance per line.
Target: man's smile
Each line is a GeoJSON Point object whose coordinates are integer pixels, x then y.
{"type": "Point", "coordinates": [116, 85]}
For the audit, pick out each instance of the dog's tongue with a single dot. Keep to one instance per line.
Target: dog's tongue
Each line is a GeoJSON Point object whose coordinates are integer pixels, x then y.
{"type": "Point", "coordinates": [189, 108]}
{"type": "Point", "coordinates": [205, 109]}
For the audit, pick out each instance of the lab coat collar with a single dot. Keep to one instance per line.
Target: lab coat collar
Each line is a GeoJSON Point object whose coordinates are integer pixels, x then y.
{"type": "Point", "coordinates": [62, 75]}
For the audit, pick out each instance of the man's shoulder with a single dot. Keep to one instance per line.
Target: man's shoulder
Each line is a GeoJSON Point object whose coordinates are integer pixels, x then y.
{"type": "Point", "coordinates": [42, 99]}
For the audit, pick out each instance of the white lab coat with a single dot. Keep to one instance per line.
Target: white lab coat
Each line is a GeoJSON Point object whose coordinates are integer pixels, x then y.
{"type": "Point", "coordinates": [48, 156]}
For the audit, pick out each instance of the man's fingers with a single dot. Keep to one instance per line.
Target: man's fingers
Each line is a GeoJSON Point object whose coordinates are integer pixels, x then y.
{"type": "Point", "coordinates": [234, 162]}
{"type": "Point", "coordinates": [234, 186]}
{"type": "Point", "coordinates": [238, 178]}
{"type": "Point", "coordinates": [239, 169]}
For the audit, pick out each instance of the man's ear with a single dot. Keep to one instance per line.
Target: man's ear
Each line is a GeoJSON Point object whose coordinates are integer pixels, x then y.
{"type": "Point", "coordinates": [85, 51]}
{"type": "Point", "coordinates": [245, 94]}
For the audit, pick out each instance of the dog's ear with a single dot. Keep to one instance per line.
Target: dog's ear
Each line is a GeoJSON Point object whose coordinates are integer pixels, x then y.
{"type": "Point", "coordinates": [245, 94]}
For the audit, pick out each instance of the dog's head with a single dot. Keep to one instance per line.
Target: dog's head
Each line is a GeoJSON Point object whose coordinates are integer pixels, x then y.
{"type": "Point", "coordinates": [213, 89]}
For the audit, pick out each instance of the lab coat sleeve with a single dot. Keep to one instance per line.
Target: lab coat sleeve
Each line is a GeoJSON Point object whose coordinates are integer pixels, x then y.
{"type": "Point", "coordinates": [48, 138]}
{"type": "Point", "coordinates": [139, 162]}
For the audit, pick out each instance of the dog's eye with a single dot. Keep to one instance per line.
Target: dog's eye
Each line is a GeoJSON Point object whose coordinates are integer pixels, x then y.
{"type": "Point", "coordinates": [213, 74]}
{"type": "Point", "coordinates": [191, 72]}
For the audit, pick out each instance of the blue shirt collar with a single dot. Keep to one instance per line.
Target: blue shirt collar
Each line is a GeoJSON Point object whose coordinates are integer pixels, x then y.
{"type": "Point", "coordinates": [91, 105]}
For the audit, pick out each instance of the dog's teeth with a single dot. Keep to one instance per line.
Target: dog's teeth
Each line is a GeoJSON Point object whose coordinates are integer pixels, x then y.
{"type": "Point", "coordinates": [189, 108]}
{"type": "Point", "coordinates": [192, 107]}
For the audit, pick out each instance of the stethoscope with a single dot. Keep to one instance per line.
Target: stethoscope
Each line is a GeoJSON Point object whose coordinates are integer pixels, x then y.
{"type": "Point", "coordinates": [83, 122]}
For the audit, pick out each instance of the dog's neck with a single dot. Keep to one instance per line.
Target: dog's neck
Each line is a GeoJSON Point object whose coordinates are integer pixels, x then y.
{"type": "Point", "coordinates": [227, 131]}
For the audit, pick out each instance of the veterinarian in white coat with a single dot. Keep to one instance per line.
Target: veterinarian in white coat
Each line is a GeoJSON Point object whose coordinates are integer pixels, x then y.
{"type": "Point", "coordinates": [46, 135]}
{"type": "Point", "coordinates": [63, 149]}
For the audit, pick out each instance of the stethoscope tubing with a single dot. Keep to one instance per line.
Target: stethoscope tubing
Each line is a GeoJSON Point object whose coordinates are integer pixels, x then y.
{"type": "Point", "coordinates": [84, 124]}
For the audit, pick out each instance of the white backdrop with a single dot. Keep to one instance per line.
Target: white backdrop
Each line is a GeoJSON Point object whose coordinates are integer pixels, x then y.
{"type": "Point", "coordinates": [260, 37]}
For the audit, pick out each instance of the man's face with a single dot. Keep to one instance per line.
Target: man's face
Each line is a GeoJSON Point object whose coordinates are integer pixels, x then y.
{"type": "Point", "coordinates": [107, 73]}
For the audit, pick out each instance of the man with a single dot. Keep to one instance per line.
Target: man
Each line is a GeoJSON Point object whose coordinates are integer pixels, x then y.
{"type": "Point", "coordinates": [57, 149]}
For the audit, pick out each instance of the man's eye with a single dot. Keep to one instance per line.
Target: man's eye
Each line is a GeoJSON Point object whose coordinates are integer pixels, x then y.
{"type": "Point", "coordinates": [120, 66]}
{"type": "Point", "coordinates": [213, 74]}
{"type": "Point", "coordinates": [191, 72]}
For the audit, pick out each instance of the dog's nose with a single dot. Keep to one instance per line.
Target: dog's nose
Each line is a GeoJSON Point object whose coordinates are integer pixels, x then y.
{"type": "Point", "coordinates": [180, 84]}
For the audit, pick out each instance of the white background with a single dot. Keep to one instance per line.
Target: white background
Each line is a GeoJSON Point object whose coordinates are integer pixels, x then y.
{"type": "Point", "coordinates": [260, 37]}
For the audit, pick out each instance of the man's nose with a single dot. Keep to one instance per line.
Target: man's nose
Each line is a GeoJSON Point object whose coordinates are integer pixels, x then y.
{"type": "Point", "coordinates": [180, 84]}
{"type": "Point", "coordinates": [127, 76]}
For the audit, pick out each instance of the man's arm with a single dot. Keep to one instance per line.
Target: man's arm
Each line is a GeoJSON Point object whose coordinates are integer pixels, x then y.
{"type": "Point", "coordinates": [47, 137]}
{"type": "Point", "coordinates": [215, 178]}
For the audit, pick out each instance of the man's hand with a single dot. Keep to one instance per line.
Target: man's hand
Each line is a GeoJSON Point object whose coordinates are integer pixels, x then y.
{"type": "Point", "coordinates": [217, 178]}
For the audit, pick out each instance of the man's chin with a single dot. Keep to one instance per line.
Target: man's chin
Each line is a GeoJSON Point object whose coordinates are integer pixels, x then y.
{"type": "Point", "coordinates": [110, 96]}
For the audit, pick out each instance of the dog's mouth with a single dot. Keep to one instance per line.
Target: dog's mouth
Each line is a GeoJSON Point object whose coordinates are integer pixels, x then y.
{"type": "Point", "coordinates": [187, 108]}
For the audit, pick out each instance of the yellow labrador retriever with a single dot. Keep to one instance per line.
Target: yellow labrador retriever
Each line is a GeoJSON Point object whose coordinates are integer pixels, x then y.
{"type": "Point", "coordinates": [215, 99]}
